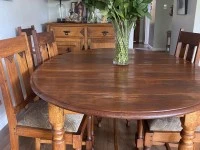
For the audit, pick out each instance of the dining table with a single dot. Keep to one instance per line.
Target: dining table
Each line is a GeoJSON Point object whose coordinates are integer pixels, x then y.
{"type": "Point", "coordinates": [153, 85]}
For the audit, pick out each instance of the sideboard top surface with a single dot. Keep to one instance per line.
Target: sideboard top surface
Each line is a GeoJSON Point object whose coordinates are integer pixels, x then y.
{"type": "Point", "coordinates": [79, 24]}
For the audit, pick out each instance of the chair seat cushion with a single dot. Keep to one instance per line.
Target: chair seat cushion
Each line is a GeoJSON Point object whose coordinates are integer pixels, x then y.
{"type": "Point", "coordinates": [166, 124]}
{"type": "Point", "coordinates": [37, 116]}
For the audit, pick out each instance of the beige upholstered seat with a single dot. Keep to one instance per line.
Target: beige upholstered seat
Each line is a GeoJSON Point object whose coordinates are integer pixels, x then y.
{"type": "Point", "coordinates": [37, 116]}
{"type": "Point", "coordinates": [166, 124]}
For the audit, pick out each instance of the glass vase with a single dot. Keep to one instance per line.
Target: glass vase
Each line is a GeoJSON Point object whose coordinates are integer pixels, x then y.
{"type": "Point", "coordinates": [122, 34]}
{"type": "Point", "coordinates": [61, 13]}
{"type": "Point", "coordinates": [91, 16]}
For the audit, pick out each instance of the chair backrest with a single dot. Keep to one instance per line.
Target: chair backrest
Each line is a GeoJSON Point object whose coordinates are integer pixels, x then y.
{"type": "Point", "coordinates": [16, 66]}
{"type": "Point", "coordinates": [28, 32]}
{"type": "Point", "coordinates": [188, 46]}
{"type": "Point", "coordinates": [45, 46]}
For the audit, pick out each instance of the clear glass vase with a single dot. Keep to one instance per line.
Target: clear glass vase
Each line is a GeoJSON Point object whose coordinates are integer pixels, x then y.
{"type": "Point", "coordinates": [61, 12]}
{"type": "Point", "coordinates": [91, 16]}
{"type": "Point", "coordinates": [122, 34]}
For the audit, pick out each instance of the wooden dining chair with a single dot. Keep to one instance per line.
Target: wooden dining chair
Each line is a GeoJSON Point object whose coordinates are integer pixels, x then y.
{"type": "Point", "coordinates": [45, 46]}
{"type": "Point", "coordinates": [27, 117]}
{"type": "Point", "coordinates": [187, 45]}
{"type": "Point", "coordinates": [28, 32]}
{"type": "Point", "coordinates": [166, 131]}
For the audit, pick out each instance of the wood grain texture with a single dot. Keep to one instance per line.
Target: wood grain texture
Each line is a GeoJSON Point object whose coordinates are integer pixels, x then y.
{"type": "Point", "coordinates": [153, 85]}
{"type": "Point", "coordinates": [45, 46]}
{"type": "Point", "coordinates": [188, 49]}
{"type": "Point", "coordinates": [77, 37]}
{"type": "Point", "coordinates": [16, 66]}
{"type": "Point", "coordinates": [57, 122]}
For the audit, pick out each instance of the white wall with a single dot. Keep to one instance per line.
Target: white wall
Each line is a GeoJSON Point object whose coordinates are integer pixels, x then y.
{"type": "Point", "coordinates": [160, 24]}
{"type": "Point", "coordinates": [23, 13]}
{"type": "Point", "coordinates": [197, 18]}
{"type": "Point", "coordinates": [183, 21]}
{"type": "Point", "coordinates": [163, 23]}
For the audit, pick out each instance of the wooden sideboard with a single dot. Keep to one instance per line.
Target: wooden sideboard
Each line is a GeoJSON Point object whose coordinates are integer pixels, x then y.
{"type": "Point", "coordinates": [78, 37]}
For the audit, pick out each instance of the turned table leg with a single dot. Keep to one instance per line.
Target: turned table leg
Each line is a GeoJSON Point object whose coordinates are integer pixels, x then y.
{"type": "Point", "coordinates": [89, 145]}
{"type": "Point", "coordinates": [189, 124]}
{"type": "Point", "coordinates": [115, 134]}
{"type": "Point", "coordinates": [56, 118]}
{"type": "Point", "coordinates": [140, 135]}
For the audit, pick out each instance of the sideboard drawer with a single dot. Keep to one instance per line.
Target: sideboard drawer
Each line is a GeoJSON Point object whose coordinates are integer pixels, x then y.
{"type": "Point", "coordinates": [69, 45]}
{"type": "Point", "coordinates": [68, 31]}
{"type": "Point", "coordinates": [96, 43]}
{"type": "Point", "coordinates": [101, 31]}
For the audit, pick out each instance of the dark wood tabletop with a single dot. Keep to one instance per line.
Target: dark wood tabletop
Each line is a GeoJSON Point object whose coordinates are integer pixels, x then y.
{"type": "Point", "coordinates": [153, 85]}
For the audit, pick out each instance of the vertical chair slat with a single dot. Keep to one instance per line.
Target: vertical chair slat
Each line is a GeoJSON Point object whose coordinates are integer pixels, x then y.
{"type": "Point", "coordinates": [44, 53]}
{"type": "Point", "coordinates": [178, 49]}
{"type": "Point", "coordinates": [197, 59]}
{"type": "Point", "coordinates": [50, 50]}
{"type": "Point", "coordinates": [12, 73]}
{"type": "Point", "coordinates": [190, 52]}
{"type": "Point", "coordinates": [55, 48]}
{"type": "Point", "coordinates": [23, 69]}
{"type": "Point", "coordinates": [182, 50]}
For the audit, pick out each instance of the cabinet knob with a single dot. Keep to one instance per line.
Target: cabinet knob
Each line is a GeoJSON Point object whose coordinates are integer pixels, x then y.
{"type": "Point", "coordinates": [68, 50]}
{"type": "Point", "coordinates": [105, 33]}
{"type": "Point", "coordinates": [66, 32]}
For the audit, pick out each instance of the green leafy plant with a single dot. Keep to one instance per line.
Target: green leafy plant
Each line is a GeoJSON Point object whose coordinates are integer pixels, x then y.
{"type": "Point", "coordinates": [123, 14]}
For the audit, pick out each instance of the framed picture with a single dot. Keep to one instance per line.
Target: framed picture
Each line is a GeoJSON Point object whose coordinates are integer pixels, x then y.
{"type": "Point", "coordinates": [182, 7]}
{"type": "Point", "coordinates": [73, 6]}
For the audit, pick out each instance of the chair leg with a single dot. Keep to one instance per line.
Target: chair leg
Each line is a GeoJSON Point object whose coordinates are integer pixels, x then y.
{"type": "Point", "coordinates": [148, 141]}
{"type": "Point", "coordinates": [99, 120]}
{"type": "Point", "coordinates": [92, 131]}
{"type": "Point", "coordinates": [14, 141]}
{"type": "Point", "coordinates": [37, 144]}
{"type": "Point", "coordinates": [167, 146]}
{"type": "Point", "coordinates": [89, 134]}
{"type": "Point", "coordinates": [115, 128]}
{"type": "Point", "coordinates": [140, 135]}
{"type": "Point", "coordinates": [127, 123]}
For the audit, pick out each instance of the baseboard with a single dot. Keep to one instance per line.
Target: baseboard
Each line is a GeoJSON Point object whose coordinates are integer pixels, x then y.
{"type": "Point", "coordinates": [156, 49]}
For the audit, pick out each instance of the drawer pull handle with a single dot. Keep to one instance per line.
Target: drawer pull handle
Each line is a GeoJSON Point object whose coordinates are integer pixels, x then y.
{"type": "Point", "coordinates": [66, 32]}
{"type": "Point", "coordinates": [105, 33]}
{"type": "Point", "coordinates": [68, 50]}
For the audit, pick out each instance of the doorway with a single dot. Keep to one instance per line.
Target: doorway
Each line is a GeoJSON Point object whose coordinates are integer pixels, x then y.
{"type": "Point", "coordinates": [152, 33]}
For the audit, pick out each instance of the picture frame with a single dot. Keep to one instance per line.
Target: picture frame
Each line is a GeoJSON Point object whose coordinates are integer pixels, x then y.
{"type": "Point", "coordinates": [73, 6]}
{"type": "Point", "coordinates": [182, 6]}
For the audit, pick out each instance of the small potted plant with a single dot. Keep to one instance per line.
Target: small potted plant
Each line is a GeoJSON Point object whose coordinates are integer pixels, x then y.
{"type": "Point", "coordinates": [123, 14]}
